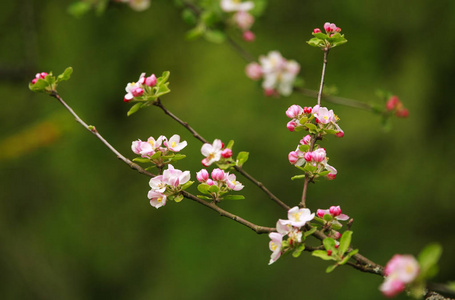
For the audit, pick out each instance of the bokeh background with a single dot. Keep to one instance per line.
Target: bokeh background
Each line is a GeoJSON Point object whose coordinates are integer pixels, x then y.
{"type": "Point", "coordinates": [75, 223]}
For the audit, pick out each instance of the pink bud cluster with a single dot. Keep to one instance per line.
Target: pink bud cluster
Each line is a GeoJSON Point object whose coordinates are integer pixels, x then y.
{"type": "Point", "coordinates": [241, 18]}
{"type": "Point", "coordinates": [317, 158]}
{"type": "Point", "coordinates": [151, 146]}
{"type": "Point", "coordinates": [395, 105]}
{"type": "Point", "coordinates": [41, 75]}
{"type": "Point", "coordinates": [334, 211]}
{"type": "Point", "coordinates": [137, 89]}
{"type": "Point", "coordinates": [329, 28]}
{"type": "Point", "coordinates": [399, 271]}
{"type": "Point", "coordinates": [297, 218]}
{"type": "Point", "coordinates": [165, 185]}
{"type": "Point", "coordinates": [323, 117]}
{"type": "Point", "coordinates": [278, 73]}
{"type": "Point", "coordinates": [221, 179]}
{"type": "Point", "coordinates": [215, 152]}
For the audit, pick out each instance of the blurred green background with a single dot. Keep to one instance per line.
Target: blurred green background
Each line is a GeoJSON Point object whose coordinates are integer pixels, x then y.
{"type": "Point", "coordinates": [75, 223]}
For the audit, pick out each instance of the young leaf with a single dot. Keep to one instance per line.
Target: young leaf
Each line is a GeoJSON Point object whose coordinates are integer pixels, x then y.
{"type": "Point", "coordinates": [297, 177]}
{"type": "Point", "coordinates": [204, 188]}
{"type": "Point", "coordinates": [345, 241]}
{"type": "Point", "coordinates": [230, 144]}
{"type": "Point", "coordinates": [311, 126]}
{"type": "Point", "coordinates": [309, 232]}
{"type": "Point", "coordinates": [215, 36]}
{"type": "Point", "coordinates": [186, 185]}
{"type": "Point", "coordinates": [141, 160]}
{"type": "Point", "coordinates": [304, 148]}
{"type": "Point", "coordinates": [204, 197]}
{"type": "Point", "coordinates": [329, 244]}
{"type": "Point", "coordinates": [331, 268]}
{"type": "Point", "coordinates": [242, 157]}
{"type": "Point", "coordinates": [178, 198]}
{"type": "Point", "coordinates": [65, 75]}
{"type": "Point", "coordinates": [178, 157]}
{"type": "Point", "coordinates": [162, 90]}
{"type": "Point", "coordinates": [156, 155]}
{"type": "Point", "coordinates": [134, 108]}
{"type": "Point", "coordinates": [428, 259]}
{"type": "Point", "coordinates": [298, 250]}
{"type": "Point", "coordinates": [322, 254]}
{"type": "Point", "coordinates": [214, 189]}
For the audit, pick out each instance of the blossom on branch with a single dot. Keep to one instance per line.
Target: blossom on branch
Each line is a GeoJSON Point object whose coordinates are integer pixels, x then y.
{"type": "Point", "coordinates": [399, 271]}
{"type": "Point", "coordinates": [212, 152]}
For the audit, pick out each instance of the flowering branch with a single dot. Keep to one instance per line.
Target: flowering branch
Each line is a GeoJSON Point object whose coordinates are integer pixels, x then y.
{"type": "Point", "coordinates": [324, 65]}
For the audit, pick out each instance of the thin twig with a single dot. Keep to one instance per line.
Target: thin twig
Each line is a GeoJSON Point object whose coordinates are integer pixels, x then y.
{"type": "Point", "coordinates": [239, 169]}
{"type": "Point", "coordinates": [324, 65]}
{"type": "Point", "coordinates": [335, 99]}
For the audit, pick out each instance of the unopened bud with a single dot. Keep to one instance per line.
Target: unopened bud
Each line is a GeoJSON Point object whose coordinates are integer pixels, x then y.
{"type": "Point", "coordinates": [316, 30]}
{"type": "Point", "coordinates": [335, 210]}
{"type": "Point", "coordinates": [226, 153]}
{"type": "Point", "coordinates": [249, 36]}
{"type": "Point", "coordinates": [308, 156]}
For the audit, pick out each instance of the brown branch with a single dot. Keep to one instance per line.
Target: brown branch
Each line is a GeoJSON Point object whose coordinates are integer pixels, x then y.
{"type": "Point", "coordinates": [324, 65]}
{"type": "Point", "coordinates": [239, 169]}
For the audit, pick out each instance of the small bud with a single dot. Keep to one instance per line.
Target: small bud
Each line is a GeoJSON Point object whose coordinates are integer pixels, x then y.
{"type": "Point", "coordinates": [202, 175]}
{"type": "Point", "coordinates": [402, 113]}
{"type": "Point", "coordinates": [137, 92]}
{"type": "Point", "coordinates": [318, 155]}
{"type": "Point", "coordinates": [392, 103]}
{"type": "Point", "coordinates": [306, 140]}
{"type": "Point", "coordinates": [336, 246]}
{"type": "Point", "coordinates": [226, 153]}
{"type": "Point", "coordinates": [218, 174]}
{"type": "Point", "coordinates": [331, 176]}
{"type": "Point", "coordinates": [335, 210]}
{"type": "Point", "coordinates": [336, 235]}
{"type": "Point", "coordinates": [340, 134]}
{"type": "Point", "coordinates": [209, 182]}
{"type": "Point", "coordinates": [291, 125]}
{"type": "Point", "coordinates": [308, 156]}
{"type": "Point", "coordinates": [253, 71]}
{"type": "Point", "coordinates": [293, 157]}
{"type": "Point", "coordinates": [329, 252]}
{"type": "Point", "coordinates": [307, 110]}
{"type": "Point", "coordinates": [294, 111]}
{"type": "Point", "coordinates": [316, 30]}
{"type": "Point", "coordinates": [249, 36]}
{"type": "Point", "coordinates": [269, 92]}
{"type": "Point", "coordinates": [151, 80]}
{"type": "Point", "coordinates": [320, 213]}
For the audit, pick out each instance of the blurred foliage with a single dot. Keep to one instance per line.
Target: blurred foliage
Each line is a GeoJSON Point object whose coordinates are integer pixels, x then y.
{"type": "Point", "coordinates": [75, 222]}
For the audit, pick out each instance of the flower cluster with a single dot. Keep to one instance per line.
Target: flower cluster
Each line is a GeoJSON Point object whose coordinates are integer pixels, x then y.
{"type": "Point", "coordinates": [241, 18]}
{"type": "Point", "coordinates": [324, 118]}
{"type": "Point", "coordinates": [315, 161]}
{"type": "Point", "coordinates": [278, 73]}
{"type": "Point", "coordinates": [167, 186]}
{"type": "Point", "coordinates": [297, 218]}
{"type": "Point", "coordinates": [330, 39]}
{"type": "Point", "coordinates": [136, 90]}
{"type": "Point", "coordinates": [41, 75]}
{"type": "Point", "coordinates": [394, 105]}
{"type": "Point", "coordinates": [399, 271]}
{"type": "Point", "coordinates": [330, 28]}
{"type": "Point", "coordinates": [138, 5]}
{"type": "Point", "coordinates": [151, 146]}
{"type": "Point", "coordinates": [215, 153]}
{"type": "Point", "coordinates": [221, 183]}
{"type": "Point", "coordinates": [329, 218]}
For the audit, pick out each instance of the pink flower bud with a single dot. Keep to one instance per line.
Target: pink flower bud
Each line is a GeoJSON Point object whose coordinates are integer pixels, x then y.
{"type": "Point", "coordinates": [318, 155]}
{"type": "Point", "coordinates": [226, 153]}
{"type": "Point", "coordinates": [151, 80]}
{"type": "Point", "coordinates": [293, 157]}
{"type": "Point", "coordinates": [336, 235]}
{"type": "Point", "coordinates": [335, 210]}
{"type": "Point", "coordinates": [336, 246]}
{"type": "Point", "coordinates": [209, 182]}
{"type": "Point", "coordinates": [127, 99]}
{"type": "Point", "coordinates": [331, 176]}
{"type": "Point", "coordinates": [202, 175]}
{"type": "Point", "coordinates": [307, 110]}
{"type": "Point", "coordinates": [392, 103]}
{"type": "Point", "coordinates": [41, 75]}
{"type": "Point", "coordinates": [308, 156]}
{"type": "Point", "coordinates": [327, 27]}
{"type": "Point", "coordinates": [253, 71]}
{"type": "Point", "coordinates": [316, 30]}
{"type": "Point", "coordinates": [291, 125]}
{"type": "Point", "coordinates": [402, 113]}
{"type": "Point", "coordinates": [269, 92]}
{"type": "Point", "coordinates": [320, 213]}
{"type": "Point", "coordinates": [137, 92]}
{"type": "Point", "coordinates": [248, 36]}
{"type": "Point", "coordinates": [340, 134]}
{"type": "Point", "coordinates": [218, 174]}
{"type": "Point", "coordinates": [205, 162]}
{"type": "Point", "coordinates": [338, 29]}
{"type": "Point", "coordinates": [329, 252]}
{"type": "Point", "coordinates": [306, 140]}
{"type": "Point", "coordinates": [294, 111]}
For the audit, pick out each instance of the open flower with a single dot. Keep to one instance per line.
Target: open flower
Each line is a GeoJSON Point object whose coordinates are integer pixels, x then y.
{"type": "Point", "coordinates": [298, 217]}
{"type": "Point", "coordinates": [174, 143]}
{"type": "Point", "coordinates": [275, 246]}
{"type": "Point", "coordinates": [175, 177]}
{"type": "Point", "coordinates": [156, 199]}
{"type": "Point", "coordinates": [236, 5]}
{"type": "Point", "coordinates": [212, 152]}
{"type": "Point", "coordinates": [400, 270]}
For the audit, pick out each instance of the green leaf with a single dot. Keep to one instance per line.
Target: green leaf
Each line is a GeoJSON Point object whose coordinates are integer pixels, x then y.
{"type": "Point", "coordinates": [310, 168]}
{"type": "Point", "coordinates": [156, 155]}
{"type": "Point", "coordinates": [303, 120]}
{"type": "Point", "coordinates": [347, 257]}
{"type": "Point", "coordinates": [65, 75]}
{"type": "Point", "coordinates": [214, 189]}
{"type": "Point", "coordinates": [204, 197]}
{"type": "Point", "coordinates": [209, 18]}
{"type": "Point", "coordinates": [178, 198]}
{"type": "Point", "coordinates": [304, 148]}
{"type": "Point", "coordinates": [323, 173]}
{"type": "Point", "coordinates": [329, 244]}
{"type": "Point", "coordinates": [78, 9]}
{"type": "Point", "coordinates": [164, 77]}
{"type": "Point", "coordinates": [311, 126]}
{"type": "Point", "coordinates": [242, 157]}
{"type": "Point", "coordinates": [320, 35]}
{"type": "Point", "coordinates": [189, 17]}
{"type": "Point", "coordinates": [141, 160]}
{"type": "Point", "coordinates": [345, 242]}
{"type": "Point", "coordinates": [230, 144]}
{"type": "Point", "coordinates": [330, 131]}
{"type": "Point", "coordinates": [298, 250]}
{"type": "Point", "coordinates": [336, 225]}
{"type": "Point", "coordinates": [322, 254]}
{"type": "Point", "coordinates": [134, 108]}
{"type": "Point", "coordinates": [178, 157]}
{"type": "Point", "coordinates": [162, 90]}
{"type": "Point", "coordinates": [309, 232]}
{"type": "Point", "coordinates": [331, 268]}
{"type": "Point", "coordinates": [195, 33]}
{"type": "Point", "coordinates": [298, 177]}
{"type": "Point", "coordinates": [315, 42]}
{"type": "Point", "coordinates": [233, 197]}
{"type": "Point", "coordinates": [327, 217]}
{"type": "Point", "coordinates": [428, 259]}
{"type": "Point", "coordinates": [215, 36]}
{"type": "Point", "coordinates": [204, 188]}
{"type": "Point", "coordinates": [39, 86]}
{"type": "Point", "coordinates": [186, 185]}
